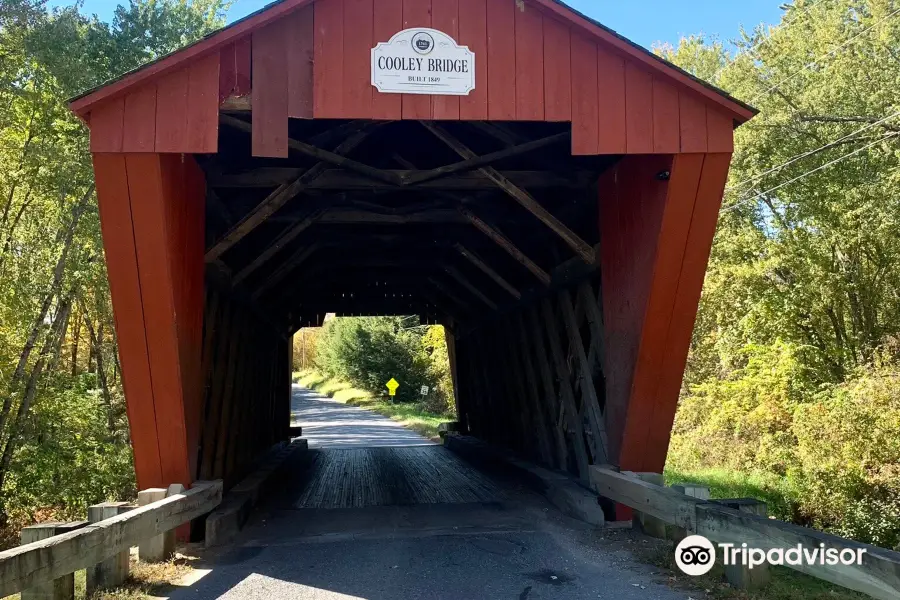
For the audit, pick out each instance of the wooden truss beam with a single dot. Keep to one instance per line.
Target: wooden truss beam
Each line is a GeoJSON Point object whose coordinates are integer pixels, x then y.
{"type": "Point", "coordinates": [504, 242]}
{"type": "Point", "coordinates": [470, 287]}
{"type": "Point", "coordinates": [474, 162]}
{"type": "Point", "coordinates": [527, 201]}
{"type": "Point", "coordinates": [342, 179]}
{"type": "Point", "coordinates": [276, 200]}
{"type": "Point", "coordinates": [487, 270]}
{"type": "Point", "coordinates": [320, 154]}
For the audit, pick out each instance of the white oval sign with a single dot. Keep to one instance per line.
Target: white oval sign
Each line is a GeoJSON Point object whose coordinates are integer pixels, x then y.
{"type": "Point", "coordinates": [423, 61]}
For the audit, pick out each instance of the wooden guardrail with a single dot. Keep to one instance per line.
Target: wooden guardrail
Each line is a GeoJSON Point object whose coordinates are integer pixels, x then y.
{"type": "Point", "coordinates": [877, 576]}
{"type": "Point", "coordinates": [45, 560]}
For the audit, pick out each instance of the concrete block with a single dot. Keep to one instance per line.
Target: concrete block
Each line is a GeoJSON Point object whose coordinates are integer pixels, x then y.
{"type": "Point", "coordinates": [692, 489]}
{"type": "Point", "coordinates": [113, 571]}
{"type": "Point", "coordinates": [740, 576]}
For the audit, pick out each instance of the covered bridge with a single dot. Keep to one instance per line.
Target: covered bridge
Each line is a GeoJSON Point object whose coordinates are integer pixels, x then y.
{"type": "Point", "coordinates": [511, 169]}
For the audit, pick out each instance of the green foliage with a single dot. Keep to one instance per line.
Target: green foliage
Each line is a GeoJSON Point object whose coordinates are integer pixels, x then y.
{"type": "Point", "coordinates": [369, 351]}
{"type": "Point", "coordinates": [63, 433]}
{"type": "Point", "coordinates": [792, 373]}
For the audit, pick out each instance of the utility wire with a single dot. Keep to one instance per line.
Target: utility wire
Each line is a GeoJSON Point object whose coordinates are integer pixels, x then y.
{"type": "Point", "coordinates": [808, 173]}
{"type": "Point", "coordinates": [811, 152]}
{"type": "Point", "coordinates": [826, 55]}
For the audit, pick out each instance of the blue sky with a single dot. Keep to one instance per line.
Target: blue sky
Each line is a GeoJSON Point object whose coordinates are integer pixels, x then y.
{"type": "Point", "coordinates": [642, 21]}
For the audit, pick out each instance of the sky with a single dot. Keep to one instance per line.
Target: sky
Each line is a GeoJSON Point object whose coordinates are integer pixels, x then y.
{"type": "Point", "coordinates": [643, 21]}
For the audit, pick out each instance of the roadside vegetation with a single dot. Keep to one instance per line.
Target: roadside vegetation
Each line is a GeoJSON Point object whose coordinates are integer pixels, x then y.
{"type": "Point", "coordinates": [792, 389]}
{"type": "Point", "coordinates": [352, 358]}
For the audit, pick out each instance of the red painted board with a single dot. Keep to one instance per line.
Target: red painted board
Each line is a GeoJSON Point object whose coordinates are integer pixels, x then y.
{"type": "Point", "coordinates": [140, 120]}
{"type": "Point", "coordinates": [611, 103]}
{"type": "Point", "coordinates": [445, 17]}
{"type": "Point", "coordinates": [243, 50]}
{"type": "Point", "coordinates": [638, 109]}
{"type": "Point", "coordinates": [632, 201]}
{"type": "Point", "coordinates": [473, 34]}
{"type": "Point", "coordinates": [107, 124]}
{"type": "Point", "coordinates": [557, 71]}
{"type": "Point", "coordinates": [416, 13]}
{"type": "Point", "coordinates": [692, 122]}
{"type": "Point", "coordinates": [202, 133]}
{"type": "Point", "coordinates": [501, 60]}
{"type": "Point", "coordinates": [585, 117]}
{"type": "Point", "coordinates": [658, 311]}
{"type": "Point", "coordinates": [227, 72]}
{"type": "Point", "coordinates": [328, 65]}
{"type": "Point", "coordinates": [156, 270]}
{"type": "Point", "coordinates": [121, 265]}
{"type": "Point", "coordinates": [300, 54]}
{"type": "Point", "coordinates": [388, 20]}
{"type": "Point", "coordinates": [529, 63]}
{"type": "Point", "coordinates": [693, 272]}
{"type": "Point", "coordinates": [171, 111]}
{"type": "Point", "coordinates": [270, 94]}
{"type": "Point", "coordinates": [358, 23]}
{"type": "Point", "coordinates": [184, 187]}
{"type": "Point", "coordinates": [666, 115]}
{"type": "Point", "coordinates": [719, 131]}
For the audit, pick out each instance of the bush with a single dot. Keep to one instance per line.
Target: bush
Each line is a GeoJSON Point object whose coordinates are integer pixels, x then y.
{"type": "Point", "coordinates": [836, 450]}
{"type": "Point", "coordinates": [369, 351]}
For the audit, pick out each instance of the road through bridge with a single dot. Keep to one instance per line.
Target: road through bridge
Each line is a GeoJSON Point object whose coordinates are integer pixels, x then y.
{"type": "Point", "coordinates": [354, 518]}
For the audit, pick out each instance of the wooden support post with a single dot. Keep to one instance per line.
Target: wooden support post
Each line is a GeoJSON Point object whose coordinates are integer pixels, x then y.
{"type": "Point", "coordinates": [645, 523]}
{"type": "Point", "coordinates": [742, 576]}
{"type": "Point", "coordinates": [535, 355]}
{"type": "Point", "coordinates": [61, 588]}
{"type": "Point", "coordinates": [589, 400]}
{"type": "Point", "coordinates": [160, 547]}
{"type": "Point", "coordinates": [527, 373]}
{"type": "Point", "coordinates": [113, 571]}
{"type": "Point", "coordinates": [567, 395]}
{"type": "Point", "coordinates": [701, 492]}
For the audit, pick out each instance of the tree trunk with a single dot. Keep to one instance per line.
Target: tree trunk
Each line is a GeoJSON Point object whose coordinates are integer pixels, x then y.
{"type": "Point", "coordinates": [97, 352]}
{"type": "Point", "coordinates": [76, 334]}
{"type": "Point", "coordinates": [67, 236]}
{"type": "Point", "coordinates": [51, 343]}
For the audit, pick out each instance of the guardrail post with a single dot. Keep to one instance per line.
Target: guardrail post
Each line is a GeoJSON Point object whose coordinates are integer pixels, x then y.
{"type": "Point", "coordinates": [112, 571]}
{"type": "Point", "coordinates": [61, 588]}
{"type": "Point", "coordinates": [701, 492]}
{"type": "Point", "coordinates": [741, 576]}
{"type": "Point", "coordinates": [160, 547]}
{"type": "Point", "coordinates": [645, 523]}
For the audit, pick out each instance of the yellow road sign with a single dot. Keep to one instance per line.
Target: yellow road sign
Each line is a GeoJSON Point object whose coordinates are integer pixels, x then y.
{"type": "Point", "coordinates": [392, 386]}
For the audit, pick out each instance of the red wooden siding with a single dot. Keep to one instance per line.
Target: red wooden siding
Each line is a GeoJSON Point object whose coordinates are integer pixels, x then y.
{"type": "Point", "coordinates": [300, 54]}
{"type": "Point", "coordinates": [176, 113]}
{"type": "Point", "coordinates": [270, 91]}
{"type": "Point", "coordinates": [314, 62]}
{"type": "Point", "coordinates": [444, 17]}
{"type": "Point", "coordinates": [125, 288]}
{"type": "Point", "coordinates": [152, 208]}
{"type": "Point", "coordinates": [416, 13]}
{"type": "Point", "coordinates": [655, 242]}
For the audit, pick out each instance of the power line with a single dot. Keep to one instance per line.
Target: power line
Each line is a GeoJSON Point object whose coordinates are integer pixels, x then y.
{"type": "Point", "coordinates": [808, 173]}
{"type": "Point", "coordinates": [826, 55]}
{"type": "Point", "coordinates": [811, 152]}
{"type": "Point", "coordinates": [781, 27]}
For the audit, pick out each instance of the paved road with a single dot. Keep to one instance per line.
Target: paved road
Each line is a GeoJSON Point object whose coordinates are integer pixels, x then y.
{"type": "Point", "coordinates": [500, 541]}
{"type": "Point", "coordinates": [330, 424]}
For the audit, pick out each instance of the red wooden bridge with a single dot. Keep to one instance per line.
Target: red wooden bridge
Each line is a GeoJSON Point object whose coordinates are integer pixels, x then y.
{"type": "Point", "coordinates": [557, 219]}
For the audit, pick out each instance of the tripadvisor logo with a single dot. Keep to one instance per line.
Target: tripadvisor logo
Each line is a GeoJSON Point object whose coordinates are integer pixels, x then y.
{"type": "Point", "coordinates": [696, 555]}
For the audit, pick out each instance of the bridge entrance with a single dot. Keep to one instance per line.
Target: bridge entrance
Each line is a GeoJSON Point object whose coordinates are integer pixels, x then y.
{"type": "Point", "coordinates": [556, 219]}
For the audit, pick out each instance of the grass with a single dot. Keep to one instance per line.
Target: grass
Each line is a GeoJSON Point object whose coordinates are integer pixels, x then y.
{"type": "Point", "coordinates": [411, 415]}
{"type": "Point", "coordinates": [776, 492]}
{"type": "Point", "coordinates": [145, 581]}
